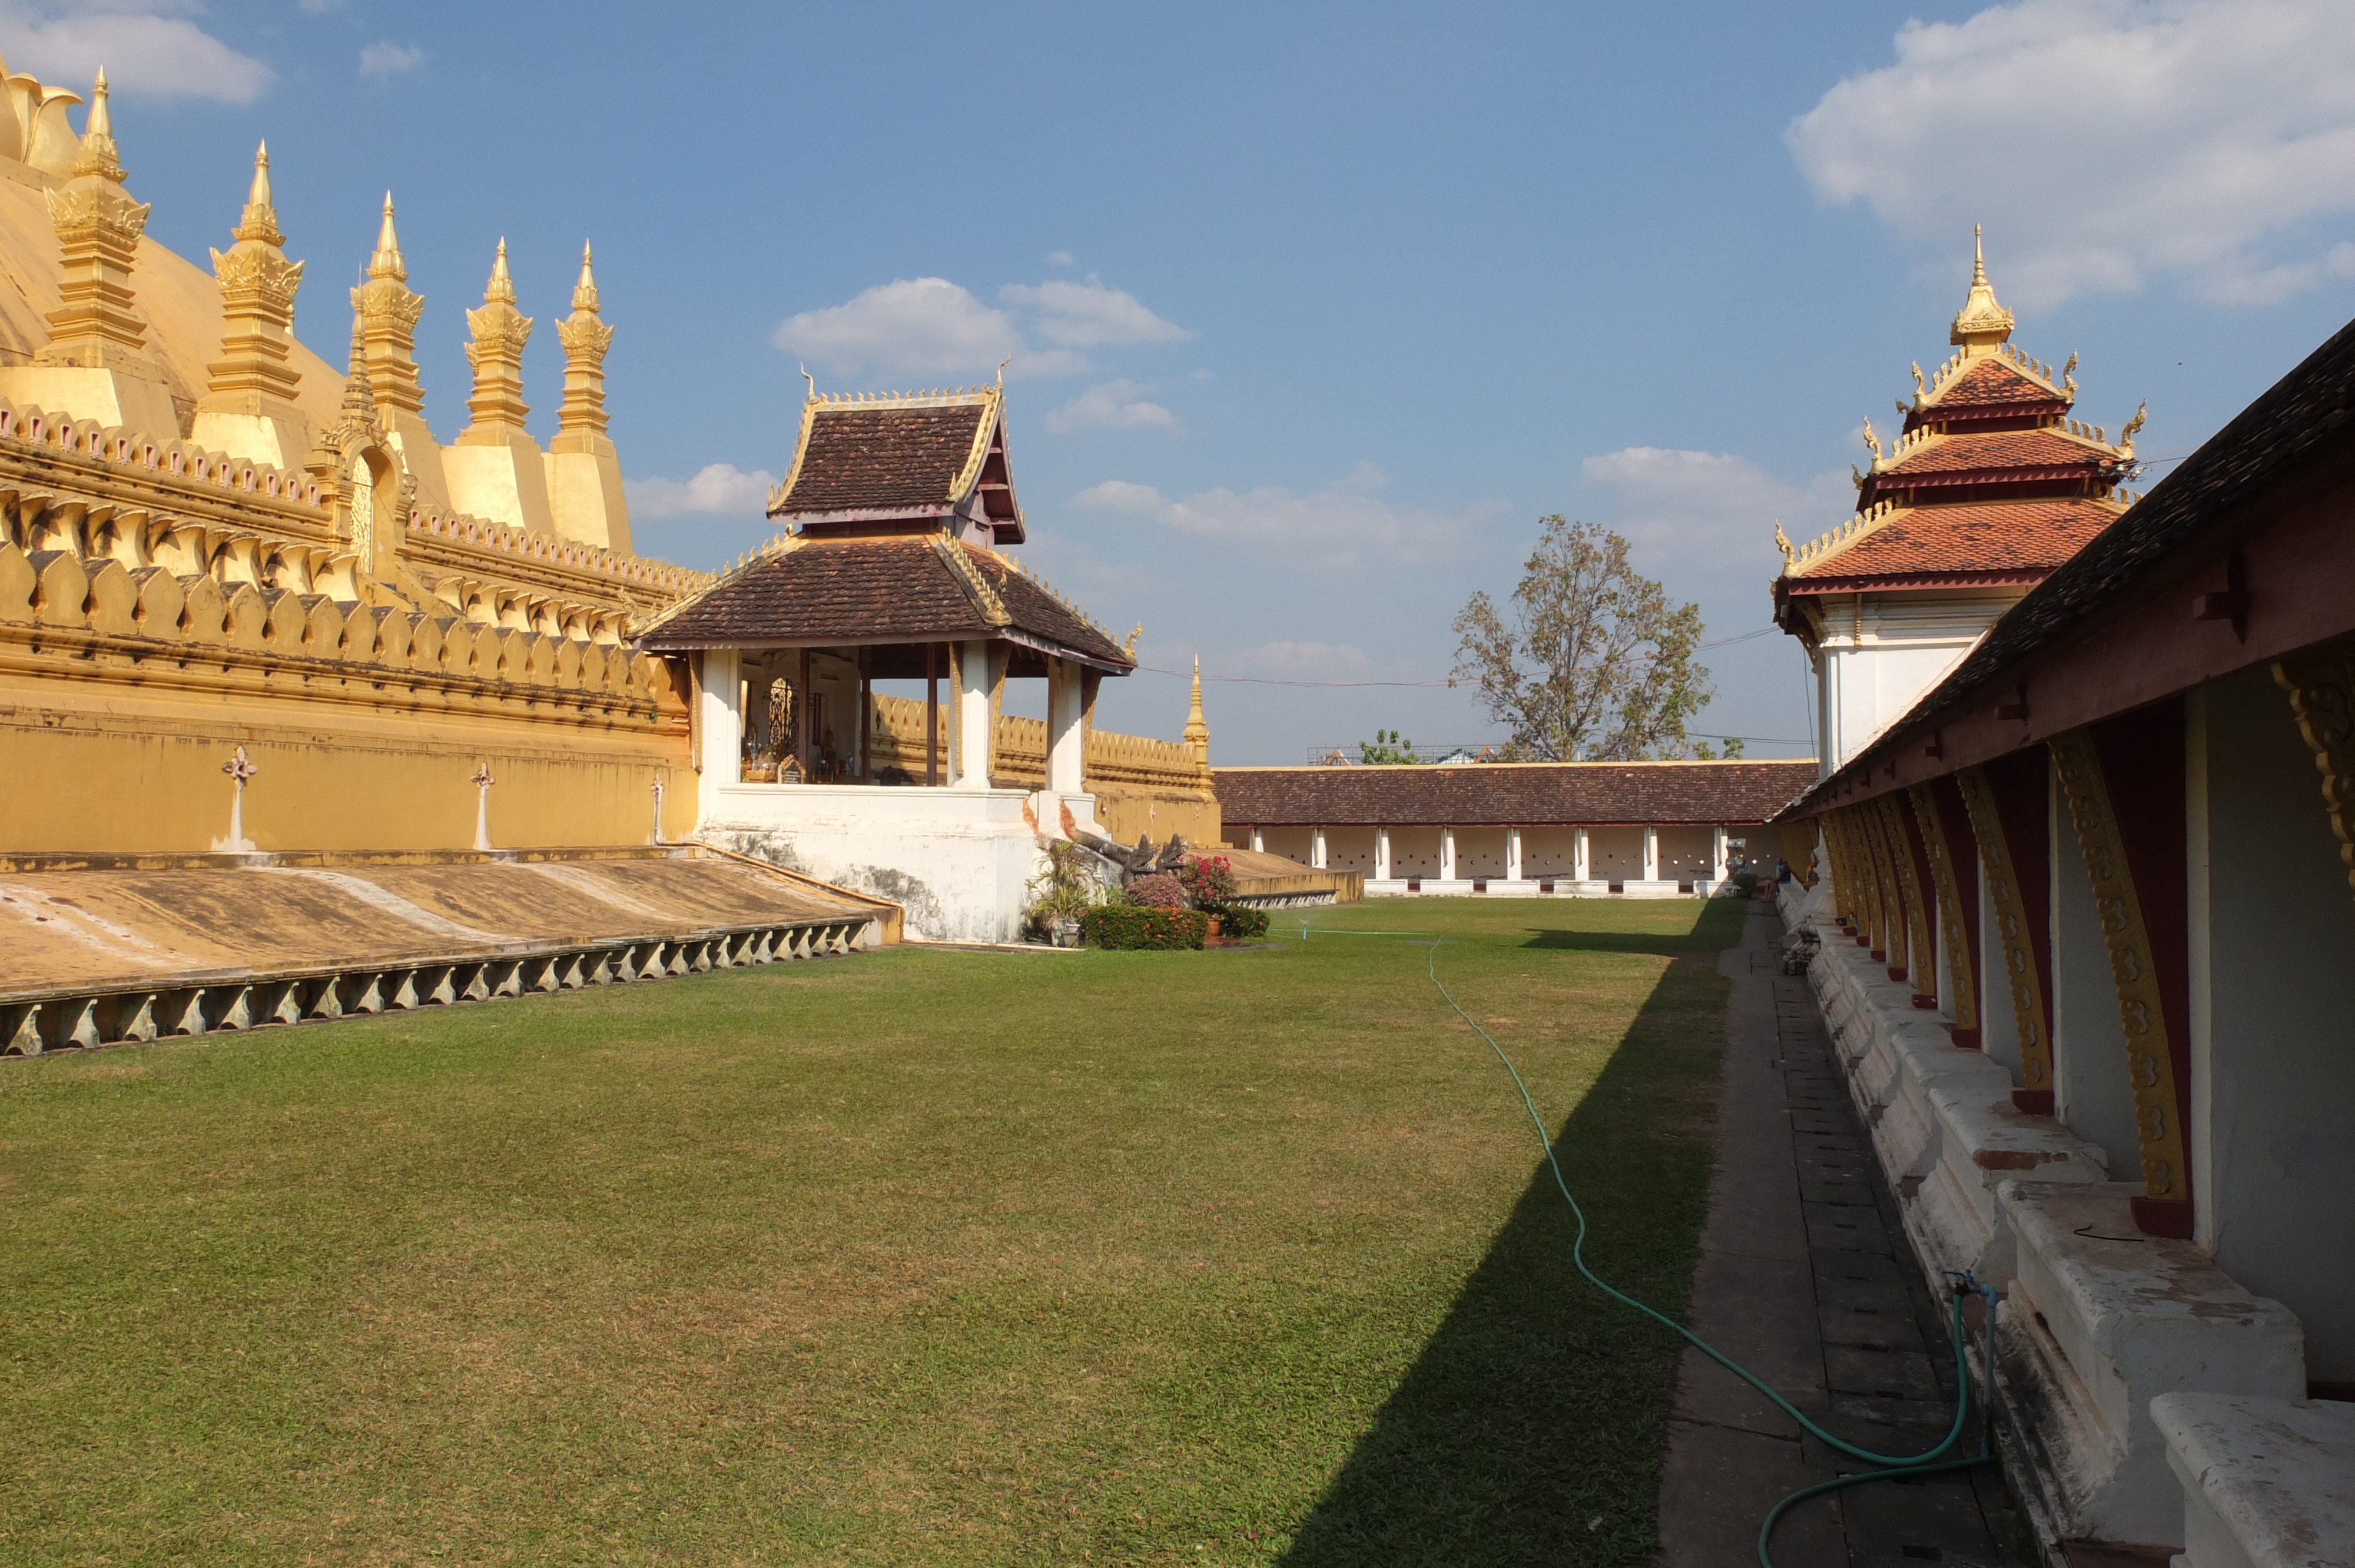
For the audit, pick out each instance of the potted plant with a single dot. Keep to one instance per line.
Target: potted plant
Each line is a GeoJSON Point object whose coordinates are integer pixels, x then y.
{"type": "Point", "coordinates": [1062, 892]}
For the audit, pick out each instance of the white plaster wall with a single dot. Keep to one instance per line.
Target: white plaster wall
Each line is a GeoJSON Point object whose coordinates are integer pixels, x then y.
{"type": "Point", "coordinates": [1292, 843]}
{"type": "Point", "coordinates": [1350, 849]}
{"type": "Point", "coordinates": [1616, 854]}
{"type": "Point", "coordinates": [1548, 852]}
{"type": "Point", "coordinates": [2090, 1092]}
{"type": "Point", "coordinates": [1480, 852]}
{"type": "Point", "coordinates": [2273, 1018]}
{"type": "Point", "coordinates": [1414, 852]}
{"type": "Point", "coordinates": [1686, 854]}
{"type": "Point", "coordinates": [1881, 653]}
{"type": "Point", "coordinates": [959, 860]}
{"type": "Point", "coordinates": [1998, 1029]}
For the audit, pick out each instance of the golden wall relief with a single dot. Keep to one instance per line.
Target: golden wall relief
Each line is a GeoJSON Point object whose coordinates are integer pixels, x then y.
{"type": "Point", "coordinates": [1920, 961]}
{"type": "Point", "coordinates": [2020, 978]}
{"type": "Point", "coordinates": [1856, 863]}
{"type": "Point", "coordinates": [1963, 983]}
{"type": "Point", "coordinates": [2320, 682]}
{"type": "Point", "coordinates": [1846, 893]}
{"type": "Point", "coordinates": [2151, 1067]}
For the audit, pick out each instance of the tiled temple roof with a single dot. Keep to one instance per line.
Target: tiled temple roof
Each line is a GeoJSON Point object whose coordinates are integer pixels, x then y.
{"type": "Point", "coordinates": [2003, 541]}
{"type": "Point", "coordinates": [1526, 794]}
{"type": "Point", "coordinates": [1993, 382]}
{"type": "Point", "coordinates": [910, 589]}
{"type": "Point", "coordinates": [887, 457]}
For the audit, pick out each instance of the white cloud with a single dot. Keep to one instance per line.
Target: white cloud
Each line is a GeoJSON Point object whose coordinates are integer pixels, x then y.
{"type": "Point", "coordinates": [1297, 662]}
{"type": "Point", "coordinates": [1339, 527]}
{"type": "Point", "coordinates": [1087, 315]}
{"type": "Point", "coordinates": [1709, 511]}
{"type": "Point", "coordinates": [718, 487]}
{"type": "Point", "coordinates": [1109, 406]}
{"type": "Point", "coordinates": [1059, 257]}
{"type": "Point", "coordinates": [149, 49]}
{"type": "Point", "coordinates": [930, 326]}
{"type": "Point", "coordinates": [382, 61]}
{"type": "Point", "coordinates": [2105, 142]}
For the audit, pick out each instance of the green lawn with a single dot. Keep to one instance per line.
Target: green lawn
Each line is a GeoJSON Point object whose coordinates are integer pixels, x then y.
{"type": "Point", "coordinates": [913, 1257]}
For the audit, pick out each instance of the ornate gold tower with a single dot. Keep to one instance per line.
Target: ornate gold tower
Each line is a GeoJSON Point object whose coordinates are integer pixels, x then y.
{"type": "Point", "coordinates": [248, 410]}
{"type": "Point", "coordinates": [1197, 728]}
{"type": "Point", "coordinates": [388, 310]}
{"type": "Point", "coordinates": [97, 361]}
{"type": "Point", "coordinates": [584, 471]}
{"type": "Point", "coordinates": [495, 469]}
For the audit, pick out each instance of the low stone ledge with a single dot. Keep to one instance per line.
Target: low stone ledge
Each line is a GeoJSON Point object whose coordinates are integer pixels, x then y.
{"type": "Point", "coordinates": [2099, 1320]}
{"type": "Point", "coordinates": [2267, 1483]}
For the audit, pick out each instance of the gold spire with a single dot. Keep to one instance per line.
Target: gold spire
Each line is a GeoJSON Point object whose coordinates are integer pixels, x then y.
{"type": "Point", "coordinates": [387, 262]}
{"type": "Point", "coordinates": [1197, 730]}
{"type": "Point", "coordinates": [257, 285]}
{"type": "Point", "coordinates": [584, 292]}
{"type": "Point", "coordinates": [260, 219]}
{"type": "Point", "coordinates": [388, 310]}
{"type": "Point", "coordinates": [496, 353]}
{"type": "Point", "coordinates": [1982, 324]}
{"type": "Point", "coordinates": [359, 398]}
{"type": "Point", "coordinates": [585, 338]}
{"type": "Point", "coordinates": [98, 154]}
{"type": "Point", "coordinates": [97, 225]}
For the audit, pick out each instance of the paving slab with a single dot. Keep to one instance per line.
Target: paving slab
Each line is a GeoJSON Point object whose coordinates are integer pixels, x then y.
{"type": "Point", "coordinates": [1802, 1278]}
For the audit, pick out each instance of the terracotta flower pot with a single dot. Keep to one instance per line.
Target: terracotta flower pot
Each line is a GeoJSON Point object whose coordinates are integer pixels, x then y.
{"type": "Point", "coordinates": [1214, 928]}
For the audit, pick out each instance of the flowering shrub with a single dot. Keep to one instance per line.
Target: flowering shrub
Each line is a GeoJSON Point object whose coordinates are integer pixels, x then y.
{"type": "Point", "coordinates": [1209, 880]}
{"type": "Point", "coordinates": [1156, 892]}
{"type": "Point", "coordinates": [1242, 920]}
{"type": "Point", "coordinates": [1129, 926]}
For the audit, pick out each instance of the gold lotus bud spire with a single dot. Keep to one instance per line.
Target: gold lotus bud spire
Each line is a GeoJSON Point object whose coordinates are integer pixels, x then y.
{"type": "Point", "coordinates": [387, 262]}
{"type": "Point", "coordinates": [500, 290]}
{"type": "Point", "coordinates": [1982, 325]}
{"type": "Point", "coordinates": [584, 292]}
{"type": "Point", "coordinates": [1197, 728]}
{"type": "Point", "coordinates": [260, 219]}
{"type": "Point", "coordinates": [98, 154]}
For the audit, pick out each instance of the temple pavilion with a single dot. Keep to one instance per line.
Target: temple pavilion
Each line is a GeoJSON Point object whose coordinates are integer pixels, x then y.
{"type": "Point", "coordinates": [896, 510]}
{"type": "Point", "coordinates": [1989, 485]}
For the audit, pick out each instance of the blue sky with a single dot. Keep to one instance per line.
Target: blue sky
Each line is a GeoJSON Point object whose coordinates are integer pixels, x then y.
{"type": "Point", "coordinates": [1314, 311]}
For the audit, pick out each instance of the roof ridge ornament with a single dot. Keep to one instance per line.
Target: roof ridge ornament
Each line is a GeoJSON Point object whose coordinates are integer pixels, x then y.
{"type": "Point", "coordinates": [99, 154]}
{"type": "Point", "coordinates": [2126, 436]}
{"type": "Point", "coordinates": [1982, 325]}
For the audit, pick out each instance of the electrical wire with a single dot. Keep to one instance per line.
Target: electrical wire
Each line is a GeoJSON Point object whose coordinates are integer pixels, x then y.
{"type": "Point", "coordinates": [1887, 1466]}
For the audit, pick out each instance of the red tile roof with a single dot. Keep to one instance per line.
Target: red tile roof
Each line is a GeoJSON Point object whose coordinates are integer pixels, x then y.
{"type": "Point", "coordinates": [1995, 380]}
{"type": "Point", "coordinates": [1997, 451]}
{"type": "Point", "coordinates": [1528, 794]}
{"type": "Point", "coordinates": [2016, 539]}
{"type": "Point", "coordinates": [912, 589]}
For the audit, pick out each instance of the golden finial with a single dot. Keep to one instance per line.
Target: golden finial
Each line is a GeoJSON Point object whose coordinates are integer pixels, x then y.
{"type": "Point", "coordinates": [584, 292]}
{"type": "Point", "coordinates": [1982, 325]}
{"type": "Point", "coordinates": [1854, 477]}
{"type": "Point", "coordinates": [1198, 729]}
{"type": "Point", "coordinates": [1783, 542]}
{"type": "Point", "coordinates": [99, 156]}
{"type": "Point", "coordinates": [1129, 647]}
{"type": "Point", "coordinates": [387, 263]}
{"type": "Point", "coordinates": [260, 219]}
{"type": "Point", "coordinates": [1921, 388]}
{"type": "Point", "coordinates": [2126, 436]}
{"type": "Point", "coordinates": [500, 290]}
{"type": "Point", "coordinates": [2069, 375]}
{"type": "Point", "coordinates": [1873, 442]}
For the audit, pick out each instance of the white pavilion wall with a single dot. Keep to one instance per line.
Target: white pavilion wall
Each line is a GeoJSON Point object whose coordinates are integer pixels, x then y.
{"type": "Point", "coordinates": [1292, 843]}
{"type": "Point", "coordinates": [1414, 852]}
{"type": "Point", "coordinates": [1686, 854]}
{"type": "Point", "coordinates": [2272, 1032]}
{"type": "Point", "coordinates": [1617, 853]}
{"type": "Point", "coordinates": [1480, 852]}
{"type": "Point", "coordinates": [1350, 849]}
{"type": "Point", "coordinates": [1548, 852]}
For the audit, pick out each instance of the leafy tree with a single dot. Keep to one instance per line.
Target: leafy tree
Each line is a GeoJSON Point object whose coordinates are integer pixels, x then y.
{"type": "Point", "coordinates": [1385, 750]}
{"type": "Point", "coordinates": [1595, 664]}
{"type": "Point", "coordinates": [1734, 747]}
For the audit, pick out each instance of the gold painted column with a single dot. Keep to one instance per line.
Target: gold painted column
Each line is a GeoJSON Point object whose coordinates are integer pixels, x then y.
{"type": "Point", "coordinates": [2150, 1064]}
{"type": "Point", "coordinates": [1961, 977]}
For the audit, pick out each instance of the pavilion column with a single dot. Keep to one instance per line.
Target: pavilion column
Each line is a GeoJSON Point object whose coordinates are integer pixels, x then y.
{"type": "Point", "coordinates": [719, 724]}
{"type": "Point", "coordinates": [1381, 853]}
{"type": "Point", "coordinates": [1651, 854]}
{"type": "Point", "coordinates": [1512, 854]}
{"type": "Point", "coordinates": [1317, 849]}
{"type": "Point", "coordinates": [1582, 860]}
{"type": "Point", "coordinates": [1259, 841]}
{"type": "Point", "coordinates": [1717, 853]}
{"type": "Point", "coordinates": [1066, 729]}
{"type": "Point", "coordinates": [973, 717]}
{"type": "Point", "coordinates": [1447, 855]}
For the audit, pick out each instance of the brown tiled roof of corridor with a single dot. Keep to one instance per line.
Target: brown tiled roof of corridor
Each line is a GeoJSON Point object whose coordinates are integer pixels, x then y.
{"type": "Point", "coordinates": [1523, 794]}
{"type": "Point", "coordinates": [2016, 540]}
{"type": "Point", "coordinates": [881, 459]}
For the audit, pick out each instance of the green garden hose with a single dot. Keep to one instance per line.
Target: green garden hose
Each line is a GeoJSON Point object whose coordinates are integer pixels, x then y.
{"type": "Point", "coordinates": [1887, 1466]}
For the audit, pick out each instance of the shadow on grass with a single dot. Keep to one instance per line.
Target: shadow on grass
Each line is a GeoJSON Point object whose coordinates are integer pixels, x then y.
{"type": "Point", "coordinates": [1531, 1427]}
{"type": "Point", "coordinates": [1661, 944]}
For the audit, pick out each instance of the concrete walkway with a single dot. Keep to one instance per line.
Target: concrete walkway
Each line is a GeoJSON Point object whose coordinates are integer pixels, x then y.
{"type": "Point", "coordinates": [1804, 1277]}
